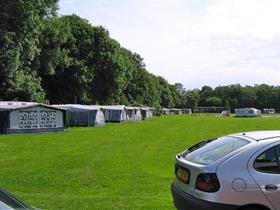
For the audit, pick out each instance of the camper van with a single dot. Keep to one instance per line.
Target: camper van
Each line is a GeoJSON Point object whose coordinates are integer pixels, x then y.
{"type": "Point", "coordinates": [247, 112]}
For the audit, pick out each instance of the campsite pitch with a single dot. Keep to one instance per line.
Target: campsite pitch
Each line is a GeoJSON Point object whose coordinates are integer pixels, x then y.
{"type": "Point", "coordinates": [118, 166]}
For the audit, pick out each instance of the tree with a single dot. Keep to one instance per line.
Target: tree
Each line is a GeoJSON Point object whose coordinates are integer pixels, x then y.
{"type": "Point", "coordinates": [206, 91]}
{"type": "Point", "coordinates": [192, 98]}
{"type": "Point", "coordinates": [213, 101]}
{"type": "Point", "coordinates": [231, 92]}
{"type": "Point", "coordinates": [20, 27]}
{"type": "Point", "coordinates": [179, 93]}
{"type": "Point", "coordinates": [265, 95]}
{"type": "Point", "coordinates": [166, 97]}
{"type": "Point", "coordinates": [67, 59]}
{"type": "Point", "coordinates": [227, 105]}
{"type": "Point", "coordinates": [248, 97]}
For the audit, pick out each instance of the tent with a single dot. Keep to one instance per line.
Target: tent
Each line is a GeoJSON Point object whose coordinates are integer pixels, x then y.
{"type": "Point", "coordinates": [247, 112]}
{"type": "Point", "coordinates": [269, 111]}
{"type": "Point", "coordinates": [176, 111]}
{"type": "Point", "coordinates": [133, 113]}
{"type": "Point", "coordinates": [16, 103]}
{"type": "Point", "coordinates": [147, 112]}
{"type": "Point", "coordinates": [165, 111]}
{"type": "Point", "coordinates": [30, 117]}
{"type": "Point", "coordinates": [114, 113]}
{"type": "Point", "coordinates": [82, 115]}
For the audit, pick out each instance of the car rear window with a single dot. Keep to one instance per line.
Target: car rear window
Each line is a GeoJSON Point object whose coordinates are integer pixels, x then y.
{"type": "Point", "coordinates": [209, 151]}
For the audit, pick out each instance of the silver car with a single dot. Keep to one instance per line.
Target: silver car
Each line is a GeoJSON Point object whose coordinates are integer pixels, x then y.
{"type": "Point", "coordinates": [10, 202]}
{"type": "Point", "coordinates": [239, 171]}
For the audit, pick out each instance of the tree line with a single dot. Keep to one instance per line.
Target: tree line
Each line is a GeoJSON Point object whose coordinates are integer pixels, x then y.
{"type": "Point", "coordinates": [66, 59]}
{"type": "Point", "coordinates": [237, 96]}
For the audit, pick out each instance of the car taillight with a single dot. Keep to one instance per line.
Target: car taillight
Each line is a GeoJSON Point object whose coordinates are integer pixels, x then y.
{"type": "Point", "coordinates": [207, 182]}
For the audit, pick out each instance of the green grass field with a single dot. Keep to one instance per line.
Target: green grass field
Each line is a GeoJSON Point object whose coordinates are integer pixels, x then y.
{"type": "Point", "coordinates": [119, 166]}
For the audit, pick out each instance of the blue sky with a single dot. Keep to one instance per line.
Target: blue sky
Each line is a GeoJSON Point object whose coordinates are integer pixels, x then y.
{"type": "Point", "coordinates": [194, 42]}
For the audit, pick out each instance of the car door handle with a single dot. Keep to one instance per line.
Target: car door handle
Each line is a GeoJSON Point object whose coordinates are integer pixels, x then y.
{"type": "Point", "coordinates": [271, 187]}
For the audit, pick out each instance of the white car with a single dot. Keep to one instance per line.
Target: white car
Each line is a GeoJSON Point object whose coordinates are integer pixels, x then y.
{"type": "Point", "coordinates": [234, 172]}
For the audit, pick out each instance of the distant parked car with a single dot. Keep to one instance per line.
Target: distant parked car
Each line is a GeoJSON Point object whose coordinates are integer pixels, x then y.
{"type": "Point", "coordinates": [10, 202]}
{"type": "Point", "coordinates": [234, 172]}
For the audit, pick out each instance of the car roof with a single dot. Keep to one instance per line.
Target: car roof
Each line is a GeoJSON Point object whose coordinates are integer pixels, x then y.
{"type": "Point", "coordinates": [259, 135]}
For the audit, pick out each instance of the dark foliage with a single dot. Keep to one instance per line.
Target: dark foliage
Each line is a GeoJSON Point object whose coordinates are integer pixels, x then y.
{"type": "Point", "coordinates": [68, 60]}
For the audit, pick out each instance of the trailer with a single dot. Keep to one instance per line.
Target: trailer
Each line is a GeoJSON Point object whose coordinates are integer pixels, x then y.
{"type": "Point", "coordinates": [247, 112]}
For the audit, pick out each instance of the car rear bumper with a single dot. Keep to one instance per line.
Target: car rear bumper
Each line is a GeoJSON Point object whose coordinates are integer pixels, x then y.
{"type": "Point", "coordinates": [184, 201]}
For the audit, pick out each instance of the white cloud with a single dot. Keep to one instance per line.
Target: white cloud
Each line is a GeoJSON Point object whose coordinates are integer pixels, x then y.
{"type": "Point", "coordinates": [195, 42]}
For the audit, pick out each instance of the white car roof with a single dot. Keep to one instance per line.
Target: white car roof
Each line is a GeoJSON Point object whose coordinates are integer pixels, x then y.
{"type": "Point", "coordinates": [259, 135]}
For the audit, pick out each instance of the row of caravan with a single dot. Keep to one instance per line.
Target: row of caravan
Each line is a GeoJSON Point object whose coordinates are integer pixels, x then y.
{"type": "Point", "coordinates": [252, 112]}
{"type": "Point", "coordinates": [29, 117]}
{"type": "Point", "coordinates": [166, 111]}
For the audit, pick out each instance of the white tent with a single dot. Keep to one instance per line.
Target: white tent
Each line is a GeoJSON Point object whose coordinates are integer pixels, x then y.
{"type": "Point", "coordinates": [17, 103]}
{"type": "Point", "coordinates": [114, 113]}
{"type": "Point", "coordinates": [82, 115]}
{"type": "Point", "coordinates": [176, 111]}
{"type": "Point", "coordinates": [147, 112]}
{"type": "Point", "coordinates": [133, 113]}
{"type": "Point", "coordinates": [247, 112]}
{"type": "Point", "coordinates": [187, 111]}
{"type": "Point", "coordinates": [165, 111]}
{"type": "Point", "coordinates": [30, 117]}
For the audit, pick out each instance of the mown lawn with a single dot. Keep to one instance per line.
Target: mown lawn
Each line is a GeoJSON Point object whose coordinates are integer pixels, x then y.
{"type": "Point", "coordinates": [119, 166]}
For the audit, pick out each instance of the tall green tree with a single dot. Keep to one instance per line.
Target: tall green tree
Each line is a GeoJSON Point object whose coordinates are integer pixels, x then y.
{"type": "Point", "coordinates": [166, 97]}
{"type": "Point", "coordinates": [192, 97]}
{"type": "Point", "coordinates": [67, 59]}
{"type": "Point", "coordinates": [206, 91]}
{"type": "Point", "coordinates": [20, 27]}
{"type": "Point", "coordinates": [109, 78]}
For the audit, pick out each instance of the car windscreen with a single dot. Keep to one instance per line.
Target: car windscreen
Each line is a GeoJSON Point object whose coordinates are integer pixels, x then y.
{"type": "Point", "coordinates": [207, 152]}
